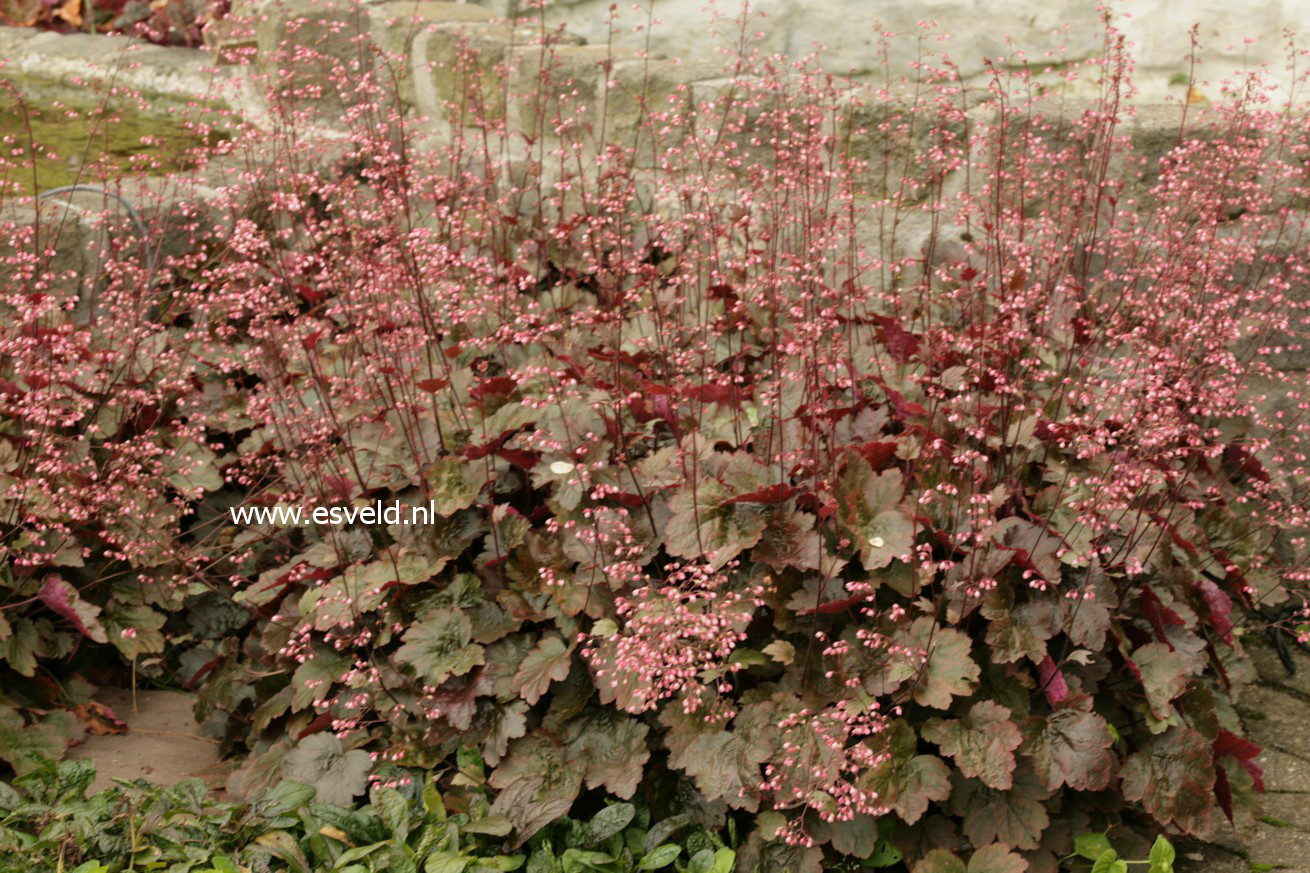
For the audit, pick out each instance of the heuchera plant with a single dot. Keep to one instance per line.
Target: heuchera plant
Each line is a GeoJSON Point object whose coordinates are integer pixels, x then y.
{"type": "Point", "coordinates": [884, 469]}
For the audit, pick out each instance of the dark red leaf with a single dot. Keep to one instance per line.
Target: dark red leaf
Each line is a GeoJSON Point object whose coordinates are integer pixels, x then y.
{"type": "Point", "coordinates": [780, 493]}
{"type": "Point", "coordinates": [311, 340]}
{"type": "Point", "coordinates": [520, 458]}
{"type": "Point", "coordinates": [574, 370]}
{"type": "Point", "coordinates": [1054, 687]}
{"type": "Point", "coordinates": [1233, 577]}
{"type": "Point", "coordinates": [311, 296]}
{"type": "Point", "coordinates": [340, 486]}
{"type": "Point", "coordinates": [835, 606]}
{"type": "Point", "coordinates": [144, 418]}
{"type": "Point", "coordinates": [432, 386]}
{"type": "Point", "coordinates": [1158, 615]}
{"type": "Point", "coordinates": [10, 390]}
{"type": "Point", "coordinates": [481, 450]}
{"type": "Point", "coordinates": [656, 403]}
{"type": "Point", "coordinates": [1230, 745]}
{"type": "Point", "coordinates": [203, 671]}
{"type": "Point", "coordinates": [723, 292]}
{"type": "Point", "coordinates": [1220, 605]}
{"type": "Point", "coordinates": [627, 500]}
{"type": "Point", "coordinates": [1223, 792]}
{"type": "Point", "coordinates": [1082, 331]}
{"type": "Point", "coordinates": [495, 386]}
{"type": "Point", "coordinates": [1178, 539]}
{"type": "Point", "coordinates": [728, 395]}
{"type": "Point", "coordinates": [810, 417]}
{"type": "Point", "coordinates": [903, 408]}
{"type": "Point", "coordinates": [63, 598]}
{"type": "Point", "coordinates": [628, 359]}
{"type": "Point", "coordinates": [811, 502]}
{"type": "Point", "coordinates": [1246, 462]}
{"type": "Point", "coordinates": [1053, 432]}
{"type": "Point", "coordinates": [1227, 743]}
{"type": "Point", "coordinates": [613, 429]}
{"type": "Point", "coordinates": [901, 343]}
{"type": "Point", "coordinates": [878, 454]}
{"type": "Point", "coordinates": [321, 723]}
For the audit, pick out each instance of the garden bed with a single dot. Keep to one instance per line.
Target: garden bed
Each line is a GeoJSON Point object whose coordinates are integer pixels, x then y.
{"type": "Point", "coordinates": [860, 477]}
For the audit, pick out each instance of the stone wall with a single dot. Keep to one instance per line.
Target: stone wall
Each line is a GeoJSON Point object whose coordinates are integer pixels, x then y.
{"type": "Point", "coordinates": [419, 41]}
{"type": "Point", "coordinates": [849, 31]}
{"type": "Point", "coordinates": [421, 38]}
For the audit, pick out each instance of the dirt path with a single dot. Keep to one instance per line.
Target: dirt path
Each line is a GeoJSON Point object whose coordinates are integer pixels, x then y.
{"type": "Point", "coordinates": [162, 743]}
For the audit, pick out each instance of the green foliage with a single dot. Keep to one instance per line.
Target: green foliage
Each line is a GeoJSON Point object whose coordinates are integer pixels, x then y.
{"type": "Point", "coordinates": [47, 821]}
{"type": "Point", "coordinates": [1097, 849]}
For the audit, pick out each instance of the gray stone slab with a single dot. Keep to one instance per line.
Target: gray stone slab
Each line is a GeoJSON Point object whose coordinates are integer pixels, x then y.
{"type": "Point", "coordinates": [1287, 810]}
{"type": "Point", "coordinates": [1280, 847]}
{"type": "Point", "coordinates": [1277, 720]}
{"type": "Point", "coordinates": [1284, 772]}
{"type": "Point", "coordinates": [1198, 857]}
{"type": "Point", "coordinates": [1271, 669]}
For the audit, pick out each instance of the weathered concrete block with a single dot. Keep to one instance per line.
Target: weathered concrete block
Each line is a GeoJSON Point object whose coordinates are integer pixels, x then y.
{"type": "Point", "coordinates": [131, 63]}
{"type": "Point", "coordinates": [894, 143]}
{"type": "Point", "coordinates": [754, 122]}
{"type": "Point", "coordinates": [316, 51]}
{"type": "Point", "coordinates": [396, 24]}
{"type": "Point", "coordinates": [458, 70]}
{"type": "Point", "coordinates": [1153, 131]}
{"type": "Point", "coordinates": [719, 109]}
{"type": "Point", "coordinates": [461, 69]}
{"type": "Point", "coordinates": [43, 249]}
{"type": "Point", "coordinates": [560, 91]}
{"type": "Point", "coordinates": [324, 47]}
{"type": "Point", "coordinates": [183, 212]}
{"type": "Point", "coordinates": [59, 246]}
{"type": "Point", "coordinates": [648, 107]}
{"type": "Point", "coordinates": [231, 40]}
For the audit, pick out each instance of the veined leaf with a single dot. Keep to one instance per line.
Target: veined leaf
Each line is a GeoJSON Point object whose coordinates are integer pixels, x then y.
{"type": "Point", "coordinates": [438, 646]}
{"type": "Point", "coordinates": [982, 743]}
{"type": "Point", "coordinates": [1071, 746]}
{"type": "Point", "coordinates": [547, 662]}
{"type": "Point", "coordinates": [1173, 776]}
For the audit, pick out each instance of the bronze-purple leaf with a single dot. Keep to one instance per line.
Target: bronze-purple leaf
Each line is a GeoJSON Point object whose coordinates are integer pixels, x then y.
{"type": "Point", "coordinates": [1071, 746]}
{"type": "Point", "coordinates": [982, 743]}
{"type": "Point", "coordinates": [1173, 777]}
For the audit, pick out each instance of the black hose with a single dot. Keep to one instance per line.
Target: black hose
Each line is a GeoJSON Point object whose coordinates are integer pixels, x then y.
{"type": "Point", "coordinates": [131, 213]}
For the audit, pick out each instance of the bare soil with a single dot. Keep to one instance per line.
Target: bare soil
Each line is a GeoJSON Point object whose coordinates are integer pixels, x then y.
{"type": "Point", "coordinates": [161, 744]}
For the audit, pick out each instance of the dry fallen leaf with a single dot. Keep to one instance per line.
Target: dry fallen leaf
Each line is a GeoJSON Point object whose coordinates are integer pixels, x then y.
{"type": "Point", "coordinates": [70, 11]}
{"type": "Point", "coordinates": [98, 719]}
